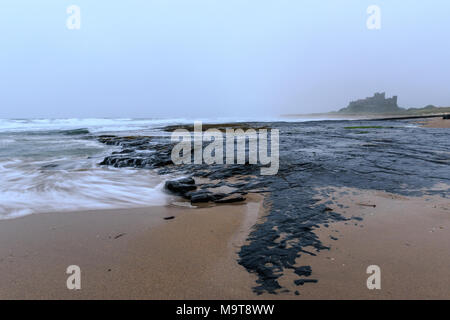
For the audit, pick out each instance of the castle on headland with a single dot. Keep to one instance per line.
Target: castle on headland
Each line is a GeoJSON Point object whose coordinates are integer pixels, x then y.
{"type": "Point", "coordinates": [376, 104]}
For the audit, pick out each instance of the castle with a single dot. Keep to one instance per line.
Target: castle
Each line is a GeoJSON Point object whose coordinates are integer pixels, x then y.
{"type": "Point", "coordinates": [376, 104]}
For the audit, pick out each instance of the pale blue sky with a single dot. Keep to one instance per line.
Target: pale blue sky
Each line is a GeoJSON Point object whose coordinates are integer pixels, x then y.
{"type": "Point", "coordinates": [206, 58]}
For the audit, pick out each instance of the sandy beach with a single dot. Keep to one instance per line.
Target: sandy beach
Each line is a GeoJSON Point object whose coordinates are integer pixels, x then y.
{"type": "Point", "coordinates": [241, 151]}
{"type": "Point", "coordinates": [434, 123]}
{"type": "Point", "coordinates": [137, 254]}
{"type": "Point", "coordinates": [407, 237]}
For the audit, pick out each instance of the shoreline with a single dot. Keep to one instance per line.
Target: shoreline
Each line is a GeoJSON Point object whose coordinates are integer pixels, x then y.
{"type": "Point", "coordinates": [367, 117]}
{"type": "Point", "coordinates": [137, 254]}
{"type": "Point", "coordinates": [434, 123]}
{"type": "Point", "coordinates": [129, 254]}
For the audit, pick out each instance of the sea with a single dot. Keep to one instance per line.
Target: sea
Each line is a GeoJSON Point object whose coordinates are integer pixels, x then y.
{"type": "Point", "coordinates": [51, 165]}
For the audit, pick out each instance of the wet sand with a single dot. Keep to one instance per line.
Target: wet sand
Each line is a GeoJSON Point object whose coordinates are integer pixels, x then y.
{"type": "Point", "coordinates": [407, 237]}
{"type": "Point", "coordinates": [129, 254]}
{"type": "Point", "coordinates": [136, 254]}
{"type": "Point", "coordinates": [435, 123]}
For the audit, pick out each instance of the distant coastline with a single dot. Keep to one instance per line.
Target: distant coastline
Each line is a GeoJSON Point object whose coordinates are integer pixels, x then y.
{"type": "Point", "coordinates": [377, 107]}
{"type": "Point", "coordinates": [363, 116]}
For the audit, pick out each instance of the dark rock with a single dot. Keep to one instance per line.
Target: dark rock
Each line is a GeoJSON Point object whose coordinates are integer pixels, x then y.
{"type": "Point", "coordinates": [230, 199]}
{"type": "Point", "coordinates": [178, 187]}
{"type": "Point", "coordinates": [189, 180]}
{"type": "Point", "coordinates": [190, 194]}
{"type": "Point", "coordinates": [218, 196]}
{"type": "Point", "coordinates": [301, 282]}
{"type": "Point", "coordinates": [169, 218]}
{"type": "Point", "coordinates": [213, 185]}
{"type": "Point", "coordinates": [202, 197]}
{"type": "Point", "coordinates": [123, 151]}
{"type": "Point", "coordinates": [303, 271]}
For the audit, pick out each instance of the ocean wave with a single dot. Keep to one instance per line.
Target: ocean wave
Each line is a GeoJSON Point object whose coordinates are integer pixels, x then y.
{"type": "Point", "coordinates": [90, 124]}
{"type": "Point", "coordinates": [97, 125]}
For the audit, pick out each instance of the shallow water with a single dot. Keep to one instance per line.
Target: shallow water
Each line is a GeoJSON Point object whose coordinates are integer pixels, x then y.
{"type": "Point", "coordinates": [52, 165]}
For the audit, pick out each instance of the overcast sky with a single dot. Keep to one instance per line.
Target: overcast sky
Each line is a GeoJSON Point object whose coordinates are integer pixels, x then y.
{"type": "Point", "coordinates": [206, 58]}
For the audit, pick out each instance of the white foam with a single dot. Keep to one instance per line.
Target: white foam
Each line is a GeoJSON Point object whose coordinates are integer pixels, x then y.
{"type": "Point", "coordinates": [96, 125]}
{"type": "Point", "coordinates": [25, 189]}
{"type": "Point", "coordinates": [92, 124]}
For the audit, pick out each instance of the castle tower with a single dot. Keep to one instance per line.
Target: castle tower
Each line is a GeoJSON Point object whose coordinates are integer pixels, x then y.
{"type": "Point", "coordinates": [394, 99]}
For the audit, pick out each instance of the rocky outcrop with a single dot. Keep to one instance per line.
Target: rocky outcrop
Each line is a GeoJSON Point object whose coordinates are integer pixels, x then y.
{"type": "Point", "coordinates": [181, 187]}
{"type": "Point", "coordinates": [231, 199]}
{"type": "Point", "coordinates": [188, 189]}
